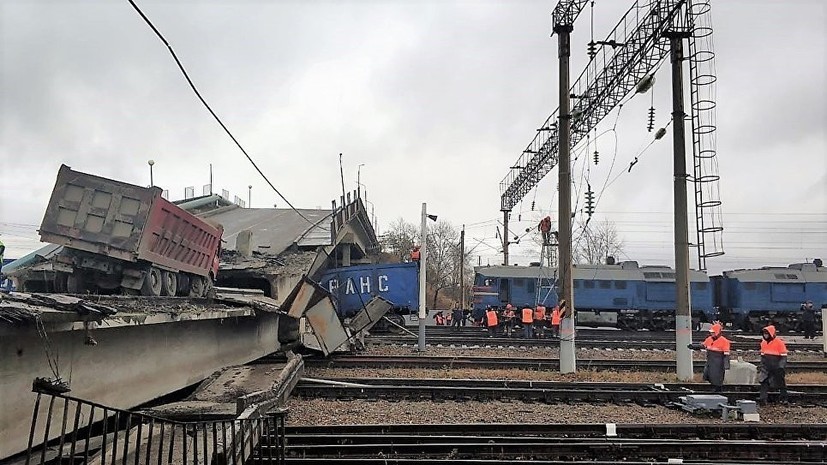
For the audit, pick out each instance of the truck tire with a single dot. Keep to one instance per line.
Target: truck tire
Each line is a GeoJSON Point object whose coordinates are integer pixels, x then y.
{"type": "Point", "coordinates": [197, 287]}
{"type": "Point", "coordinates": [152, 283]}
{"type": "Point", "coordinates": [169, 283]}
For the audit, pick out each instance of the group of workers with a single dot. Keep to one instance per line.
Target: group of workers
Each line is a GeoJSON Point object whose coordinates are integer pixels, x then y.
{"type": "Point", "coordinates": [771, 373]}
{"type": "Point", "coordinates": [454, 318]}
{"type": "Point", "coordinates": [534, 321]}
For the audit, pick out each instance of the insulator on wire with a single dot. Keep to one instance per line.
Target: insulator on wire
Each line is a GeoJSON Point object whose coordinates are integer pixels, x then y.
{"type": "Point", "coordinates": [520, 217]}
{"type": "Point", "coordinates": [589, 201]}
{"type": "Point", "coordinates": [645, 84]}
{"type": "Point", "coordinates": [651, 125]}
{"type": "Point", "coordinates": [661, 132]}
{"type": "Point", "coordinates": [532, 205]}
{"type": "Point", "coordinates": [596, 156]}
{"type": "Point", "coordinates": [592, 49]}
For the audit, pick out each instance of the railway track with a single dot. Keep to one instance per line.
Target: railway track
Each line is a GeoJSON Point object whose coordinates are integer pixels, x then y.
{"type": "Point", "coordinates": [584, 342]}
{"type": "Point", "coordinates": [555, 443]}
{"type": "Point", "coordinates": [417, 389]}
{"type": "Point", "coordinates": [416, 361]}
{"type": "Point", "coordinates": [593, 334]}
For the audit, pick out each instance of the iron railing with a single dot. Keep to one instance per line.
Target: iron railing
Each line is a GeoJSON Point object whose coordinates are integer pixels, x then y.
{"type": "Point", "coordinates": [66, 429]}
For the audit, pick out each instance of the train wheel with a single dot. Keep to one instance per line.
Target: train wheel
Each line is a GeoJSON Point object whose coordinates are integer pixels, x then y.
{"type": "Point", "coordinates": [197, 287]}
{"type": "Point", "coordinates": [152, 283]}
{"type": "Point", "coordinates": [169, 283]}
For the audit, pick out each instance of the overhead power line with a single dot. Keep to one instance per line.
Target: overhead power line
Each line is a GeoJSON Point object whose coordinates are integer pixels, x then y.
{"type": "Point", "coordinates": [198, 94]}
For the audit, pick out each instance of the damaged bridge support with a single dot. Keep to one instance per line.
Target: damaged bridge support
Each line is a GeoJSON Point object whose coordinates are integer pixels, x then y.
{"type": "Point", "coordinates": [136, 359]}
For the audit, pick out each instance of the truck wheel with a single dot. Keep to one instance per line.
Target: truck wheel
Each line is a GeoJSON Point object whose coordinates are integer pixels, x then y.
{"type": "Point", "coordinates": [169, 283]}
{"type": "Point", "coordinates": [183, 284]}
{"type": "Point", "coordinates": [197, 287]}
{"type": "Point", "coordinates": [152, 283]}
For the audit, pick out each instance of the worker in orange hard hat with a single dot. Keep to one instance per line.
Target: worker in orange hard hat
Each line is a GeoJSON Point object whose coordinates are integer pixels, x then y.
{"type": "Point", "coordinates": [717, 356]}
{"type": "Point", "coordinates": [771, 373]}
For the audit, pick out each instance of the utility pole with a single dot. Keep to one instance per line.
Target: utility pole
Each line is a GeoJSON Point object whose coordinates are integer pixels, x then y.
{"type": "Point", "coordinates": [505, 238]}
{"type": "Point", "coordinates": [683, 309]}
{"type": "Point", "coordinates": [423, 255]}
{"type": "Point", "coordinates": [567, 349]}
{"type": "Point", "coordinates": [462, 268]}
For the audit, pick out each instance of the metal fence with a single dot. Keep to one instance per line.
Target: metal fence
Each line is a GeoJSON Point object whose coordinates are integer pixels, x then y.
{"type": "Point", "coordinates": [71, 430]}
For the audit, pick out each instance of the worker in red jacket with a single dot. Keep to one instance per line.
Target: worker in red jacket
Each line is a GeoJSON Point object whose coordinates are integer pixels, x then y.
{"type": "Point", "coordinates": [773, 364]}
{"type": "Point", "coordinates": [717, 356]}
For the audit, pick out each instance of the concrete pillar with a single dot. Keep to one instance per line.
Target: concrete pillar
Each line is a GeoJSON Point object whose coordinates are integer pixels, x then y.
{"type": "Point", "coordinates": [568, 351]}
{"type": "Point", "coordinates": [683, 305]}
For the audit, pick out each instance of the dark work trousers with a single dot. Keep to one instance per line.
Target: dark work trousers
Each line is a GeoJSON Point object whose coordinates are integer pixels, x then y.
{"type": "Point", "coordinates": [775, 379]}
{"type": "Point", "coordinates": [527, 330]}
{"type": "Point", "coordinates": [809, 329]}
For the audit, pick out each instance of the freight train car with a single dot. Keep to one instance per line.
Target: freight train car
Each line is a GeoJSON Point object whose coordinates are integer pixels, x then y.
{"type": "Point", "coordinates": [353, 286]}
{"type": "Point", "coordinates": [623, 295]}
{"type": "Point", "coordinates": [753, 298]}
{"type": "Point", "coordinates": [122, 236]}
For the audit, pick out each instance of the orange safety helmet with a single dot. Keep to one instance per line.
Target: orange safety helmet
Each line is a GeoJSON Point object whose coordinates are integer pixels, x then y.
{"type": "Point", "coordinates": [715, 329]}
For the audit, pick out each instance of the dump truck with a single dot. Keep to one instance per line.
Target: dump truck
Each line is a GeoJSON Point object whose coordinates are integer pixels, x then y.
{"type": "Point", "coordinates": [119, 236]}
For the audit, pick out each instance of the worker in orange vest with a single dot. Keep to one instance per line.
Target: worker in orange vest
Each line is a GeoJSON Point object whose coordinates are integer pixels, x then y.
{"type": "Point", "coordinates": [491, 321]}
{"type": "Point", "coordinates": [527, 320]}
{"type": "Point", "coordinates": [717, 356]}
{"type": "Point", "coordinates": [415, 254]}
{"type": "Point", "coordinates": [539, 321]}
{"type": "Point", "coordinates": [439, 318]}
{"type": "Point", "coordinates": [555, 321]}
{"type": "Point", "coordinates": [509, 317]}
{"type": "Point", "coordinates": [773, 364]}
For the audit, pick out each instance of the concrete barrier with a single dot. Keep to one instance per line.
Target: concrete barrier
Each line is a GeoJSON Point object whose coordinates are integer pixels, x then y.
{"type": "Point", "coordinates": [741, 372]}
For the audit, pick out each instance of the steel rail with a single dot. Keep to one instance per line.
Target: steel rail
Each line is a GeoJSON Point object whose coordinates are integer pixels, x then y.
{"type": "Point", "coordinates": [598, 334]}
{"type": "Point", "coordinates": [532, 384]}
{"type": "Point", "coordinates": [471, 392]}
{"type": "Point", "coordinates": [813, 431]}
{"type": "Point", "coordinates": [388, 361]}
{"type": "Point", "coordinates": [595, 449]}
{"type": "Point", "coordinates": [591, 343]}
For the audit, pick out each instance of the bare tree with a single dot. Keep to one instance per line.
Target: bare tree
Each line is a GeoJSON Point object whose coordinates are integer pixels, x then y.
{"type": "Point", "coordinates": [597, 242]}
{"type": "Point", "coordinates": [400, 239]}
{"type": "Point", "coordinates": [443, 253]}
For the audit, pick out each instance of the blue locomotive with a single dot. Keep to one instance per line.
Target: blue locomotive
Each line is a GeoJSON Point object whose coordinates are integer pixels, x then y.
{"type": "Point", "coordinates": [752, 298]}
{"type": "Point", "coordinates": [624, 295]}
{"type": "Point", "coordinates": [629, 296]}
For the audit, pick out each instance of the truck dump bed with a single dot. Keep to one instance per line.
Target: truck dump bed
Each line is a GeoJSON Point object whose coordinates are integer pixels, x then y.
{"type": "Point", "coordinates": [127, 222]}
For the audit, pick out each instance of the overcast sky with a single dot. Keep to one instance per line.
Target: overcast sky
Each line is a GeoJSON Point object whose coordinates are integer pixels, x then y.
{"type": "Point", "coordinates": [436, 98]}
